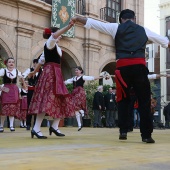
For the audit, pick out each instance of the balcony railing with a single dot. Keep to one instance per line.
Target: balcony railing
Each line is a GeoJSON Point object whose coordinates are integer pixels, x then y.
{"type": "Point", "coordinates": [109, 14]}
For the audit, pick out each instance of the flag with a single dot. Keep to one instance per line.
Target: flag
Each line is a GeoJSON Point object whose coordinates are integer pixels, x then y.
{"type": "Point", "coordinates": [62, 11]}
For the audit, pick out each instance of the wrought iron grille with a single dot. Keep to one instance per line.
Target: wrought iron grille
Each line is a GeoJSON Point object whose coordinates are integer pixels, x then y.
{"type": "Point", "coordinates": [81, 7]}
{"type": "Point", "coordinates": [111, 12]}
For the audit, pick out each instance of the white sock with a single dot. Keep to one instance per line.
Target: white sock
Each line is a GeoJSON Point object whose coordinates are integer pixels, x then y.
{"type": "Point", "coordinates": [38, 122]}
{"type": "Point", "coordinates": [78, 118]}
{"type": "Point", "coordinates": [21, 123]}
{"type": "Point", "coordinates": [82, 112]}
{"type": "Point", "coordinates": [55, 124]}
{"type": "Point", "coordinates": [25, 123]}
{"type": "Point", "coordinates": [2, 121]}
{"type": "Point", "coordinates": [11, 121]}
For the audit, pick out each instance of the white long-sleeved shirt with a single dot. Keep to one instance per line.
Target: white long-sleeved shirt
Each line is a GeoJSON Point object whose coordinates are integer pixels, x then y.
{"type": "Point", "coordinates": [151, 76]}
{"type": "Point", "coordinates": [26, 72]}
{"type": "Point", "coordinates": [50, 43]}
{"type": "Point", "coordinates": [11, 74]}
{"type": "Point", "coordinates": [85, 78]}
{"type": "Point", "coordinates": [111, 29]}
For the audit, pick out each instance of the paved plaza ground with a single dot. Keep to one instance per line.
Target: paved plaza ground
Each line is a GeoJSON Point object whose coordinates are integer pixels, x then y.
{"type": "Point", "coordinates": [89, 149]}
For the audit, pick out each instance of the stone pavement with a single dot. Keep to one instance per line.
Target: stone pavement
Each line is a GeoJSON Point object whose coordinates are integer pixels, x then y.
{"type": "Point", "coordinates": [89, 149]}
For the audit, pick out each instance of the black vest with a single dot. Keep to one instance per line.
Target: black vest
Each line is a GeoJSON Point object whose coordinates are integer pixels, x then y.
{"type": "Point", "coordinates": [23, 93]}
{"type": "Point", "coordinates": [79, 82]}
{"type": "Point", "coordinates": [7, 80]}
{"type": "Point", "coordinates": [32, 81]}
{"type": "Point", "coordinates": [51, 55]}
{"type": "Point", "coordinates": [130, 41]}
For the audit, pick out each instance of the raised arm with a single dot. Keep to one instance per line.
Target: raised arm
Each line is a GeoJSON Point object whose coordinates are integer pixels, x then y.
{"type": "Point", "coordinates": [108, 28]}
{"type": "Point", "coordinates": [158, 39]}
{"type": "Point", "coordinates": [54, 36]}
{"type": "Point", "coordinates": [90, 78]}
{"type": "Point", "coordinates": [62, 30]}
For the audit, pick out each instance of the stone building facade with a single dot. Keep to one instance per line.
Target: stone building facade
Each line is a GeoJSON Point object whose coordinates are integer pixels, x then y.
{"type": "Point", "coordinates": [22, 23]}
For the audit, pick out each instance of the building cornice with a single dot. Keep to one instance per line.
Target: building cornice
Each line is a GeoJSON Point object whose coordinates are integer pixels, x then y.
{"type": "Point", "coordinates": [164, 5]}
{"type": "Point", "coordinates": [92, 47]}
{"type": "Point", "coordinates": [24, 32]}
{"type": "Point", "coordinates": [35, 6]}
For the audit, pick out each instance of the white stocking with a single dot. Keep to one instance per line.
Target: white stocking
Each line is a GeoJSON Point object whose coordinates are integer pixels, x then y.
{"type": "Point", "coordinates": [2, 121]}
{"type": "Point", "coordinates": [25, 123]}
{"type": "Point", "coordinates": [55, 124]}
{"type": "Point", "coordinates": [82, 112]}
{"type": "Point", "coordinates": [38, 122]}
{"type": "Point", "coordinates": [21, 123]}
{"type": "Point", "coordinates": [78, 118]}
{"type": "Point", "coordinates": [11, 121]}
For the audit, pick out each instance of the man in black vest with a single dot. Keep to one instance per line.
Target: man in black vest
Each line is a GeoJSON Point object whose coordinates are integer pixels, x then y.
{"type": "Point", "coordinates": [98, 106]}
{"type": "Point", "coordinates": [31, 85]}
{"type": "Point", "coordinates": [131, 71]}
{"type": "Point", "coordinates": [110, 105]}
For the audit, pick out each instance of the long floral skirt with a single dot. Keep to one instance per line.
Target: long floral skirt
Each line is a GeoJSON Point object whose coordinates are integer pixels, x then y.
{"type": "Point", "coordinates": [51, 95]}
{"type": "Point", "coordinates": [79, 99]}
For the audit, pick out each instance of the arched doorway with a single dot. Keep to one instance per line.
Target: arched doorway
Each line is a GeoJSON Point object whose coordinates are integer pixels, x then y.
{"type": "Point", "coordinates": [3, 57]}
{"type": "Point", "coordinates": [3, 53]}
{"type": "Point", "coordinates": [67, 65]}
{"type": "Point", "coordinates": [109, 68]}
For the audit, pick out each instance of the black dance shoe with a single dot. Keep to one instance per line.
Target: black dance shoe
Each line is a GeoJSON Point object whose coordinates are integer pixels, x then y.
{"type": "Point", "coordinates": [123, 136]}
{"type": "Point", "coordinates": [28, 127]}
{"type": "Point", "coordinates": [36, 134]}
{"type": "Point", "coordinates": [148, 140]}
{"type": "Point", "coordinates": [51, 129]}
{"type": "Point", "coordinates": [79, 128]}
{"type": "Point", "coordinates": [12, 129]}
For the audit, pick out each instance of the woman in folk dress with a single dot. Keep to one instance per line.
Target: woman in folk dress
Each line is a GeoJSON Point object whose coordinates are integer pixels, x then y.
{"type": "Point", "coordinates": [51, 96]}
{"type": "Point", "coordinates": [23, 106]}
{"type": "Point", "coordinates": [78, 94]}
{"type": "Point", "coordinates": [10, 95]}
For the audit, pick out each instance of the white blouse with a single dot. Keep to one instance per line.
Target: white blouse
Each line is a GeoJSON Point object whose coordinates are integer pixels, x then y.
{"type": "Point", "coordinates": [85, 78]}
{"type": "Point", "coordinates": [11, 74]}
{"type": "Point", "coordinates": [27, 71]}
{"type": "Point", "coordinates": [50, 43]}
{"type": "Point", "coordinates": [151, 76]}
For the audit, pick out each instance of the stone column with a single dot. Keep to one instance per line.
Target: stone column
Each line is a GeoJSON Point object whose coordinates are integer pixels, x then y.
{"type": "Point", "coordinates": [91, 58]}
{"type": "Point", "coordinates": [23, 45]}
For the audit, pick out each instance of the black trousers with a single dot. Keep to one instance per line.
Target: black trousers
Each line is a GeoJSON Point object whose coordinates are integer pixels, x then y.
{"type": "Point", "coordinates": [29, 117]}
{"type": "Point", "coordinates": [135, 76]}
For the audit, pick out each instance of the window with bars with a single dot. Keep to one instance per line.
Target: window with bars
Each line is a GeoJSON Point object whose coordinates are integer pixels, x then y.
{"type": "Point", "coordinates": [81, 7]}
{"type": "Point", "coordinates": [111, 12]}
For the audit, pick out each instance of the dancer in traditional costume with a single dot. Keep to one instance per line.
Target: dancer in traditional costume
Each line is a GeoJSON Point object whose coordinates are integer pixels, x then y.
{"type": "Point", "coordinates": [10, 94]}
{"type": "Point", "coordinates": [31, 86]}
{"type": "Point", "coordinates": [131, 71]}
{"type": "Point", "coordinates": [51, 96]}
{"type": "Point", "coordinates": [78, 94]}
{"type": "Point", "coordinates": [23, 107]}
